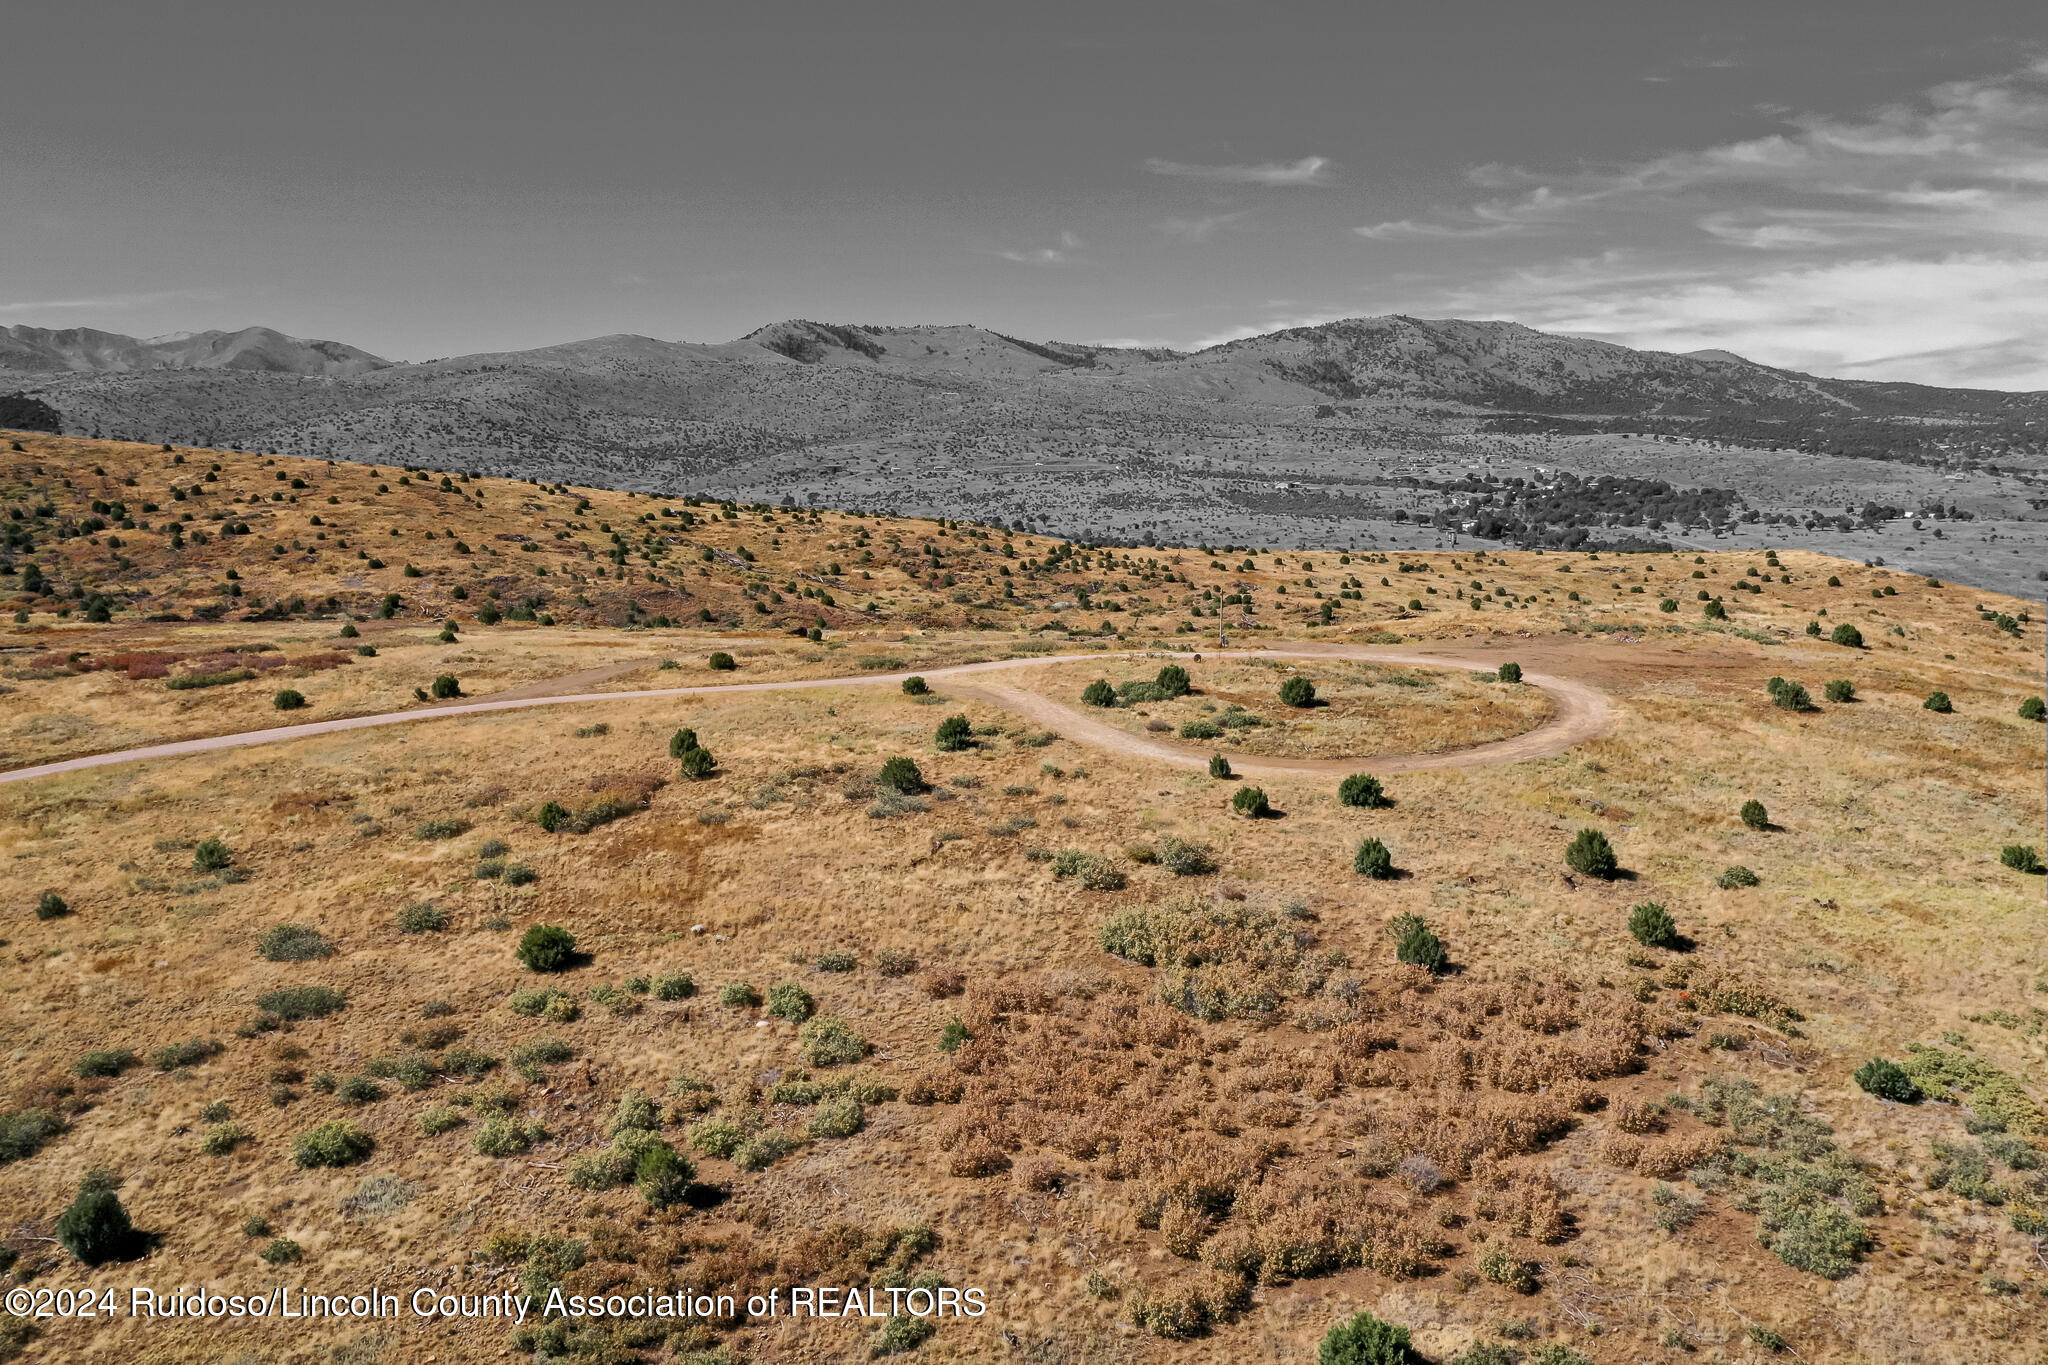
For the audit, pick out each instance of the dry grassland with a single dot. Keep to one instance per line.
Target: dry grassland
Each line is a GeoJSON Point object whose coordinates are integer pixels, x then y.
{"type": "Point", "coordinates": [1245, 1122]}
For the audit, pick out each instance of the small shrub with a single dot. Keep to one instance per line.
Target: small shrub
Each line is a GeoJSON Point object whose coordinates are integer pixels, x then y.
{"type": "Point", "coordinates": [1840, 690]}
{"type": "Point", "coordinates": [895, 962]}
{"type": "Point", "coordinates": [288, 699]}
{"type": "Point", "coordinates": [442, 1118]}
{"type": "Point", "coordinates": [301, 1002]}
{"type": "Point", "coordinates": [1887, 1080]}
{"type": "Point", "coordinates": [1297, 691]}
{"type": "Point", "coordinates": [900, 1335]}
{"type": "Point", "coordinates": [95, 1228]}
{"type": "Point", "coordinates": [828, 1040]}
{"type": "Point", "coordinates": [283, 1251]}
{"type": "Point", "coordinates": [1373, 860]}
{"type": "Point", "coordinates": [621, 1003]}
{"type": "Point", "coordinates": [1172, 681]}
{"type": "Point", "coordinates": [445, 828]}
{"type": "Point", "coordinates": [2020, 857]}
{"type": "Point", "coordinates": [1415, 944]}
{"type": "Point", "coordinates": [718, 1138]}
{"type": "Point", "coordinates": [1755, 816]}
{"type": "Point", "coordinates": [211, 856]}
{"type": "Point", "coordinates": [681, 742]}
{"type": "Point", "coordinates": [1590, 855]}
{"type": "Point", "coordinates": [837, 1118]}
{"type": "Point", "coordinates": [519, 874]}
{"type": "Point", "coordinates": [1788, 696]}
{"type": "Point", "coordinates": [697, 764]}
{"type": "Point", "coordinates": [738, 995]}
{"type": "Point", "coordinates": [836, 960]}
{"type": "Point", "coordinates": [791, 1002]}
{"type": "Point", "coordinates": [223, 1138]}
{"type": "Point", "coordinates": [2033, 708]}
{"type": "Point", "coordinates": [24, 1131]}
{"type": "Point", "coordinates": [1099, 693]}
{"type": "Point", "coordinates": [502, 1136]}
{"type": "Point", "coordinates": [546, 948]}
{"type": "Point", "coordinates": [1510, 673]}
{"type": "Point", "coordinates": [1250, 802]}
{"type": "Point", "coordinates": [663, 1175]}
{"type": "Point", "coordinates": [1201, 729]}
{"type": "Point", "coordinates": [191, 1052]}
{"type": "Point", "coordinates": [1811, 1234]}
{"type": "Point", "coordinates": [1365, 1340]}
{"type": "Point", "coordinates": [445, 687]}
{"type": "Point", "coordinates": [915, 686]}
{"type": "Point", "coordinates": [1219, 766]}
{"type": "Point", "coordinates": [902, 775]}
{"type": "Point", "coordinates": [1847, 636]}
{"type": "Point", "coordinates": [1184, 858]}
{"type": "Point", "coordinates": [460, 1061]}
{"type": "Point", "coordinates": [1502, 1267]}
{"type": "Point", "coordinates": [106, 1062]}
{"type": "Point", "coordinates": [1670, 1210]}
{"type": "Point", "coordinates": [762, 1150]}
{"type": "Point", "coordinates": [421, 917]}
{"type": "Point", "coordinates": [541, 1052]}
{"type": "Point", "coordinates": [1735, 877]}
{"type": "Point", "coordinates": [675, 986]}
{"type": "Point", "coordinates": [50, 905]}
{"type": "Point", "coordinates": [721, 662]}
{"type": "Point", "coordinates": [293, 943]}
{"type": "Point", "coordinates": [359, 1090]}
{"type": "Point", "coordinates": [1363, 790]}
{"type": "Point", "coordinates": [954, 734]}
{"type": "Point", "coordinates": [1652, 926]}
{"type": "Point", "coordinates": [334, 1143]}
{"type": "Point", "coordinates": [1938, 701]}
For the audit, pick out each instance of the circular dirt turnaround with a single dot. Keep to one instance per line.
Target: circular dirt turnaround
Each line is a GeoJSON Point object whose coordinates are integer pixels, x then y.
{"type": "Point", "coordinates": [1581, 714]}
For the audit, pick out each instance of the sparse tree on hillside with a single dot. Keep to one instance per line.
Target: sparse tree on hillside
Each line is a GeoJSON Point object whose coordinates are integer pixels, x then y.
{"type": "Point", "coordinates": [1590, 855]}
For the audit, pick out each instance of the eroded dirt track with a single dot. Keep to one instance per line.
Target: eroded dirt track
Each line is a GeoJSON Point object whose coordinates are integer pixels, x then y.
{"type": "Point", "coordinates": [1581, 713]}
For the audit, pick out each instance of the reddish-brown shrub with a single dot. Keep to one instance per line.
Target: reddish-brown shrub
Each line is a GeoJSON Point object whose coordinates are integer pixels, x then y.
{"type": "Point", "coordinates": [978, 1157]}
{"type": "Point", "coordinates": [1636, 1116]}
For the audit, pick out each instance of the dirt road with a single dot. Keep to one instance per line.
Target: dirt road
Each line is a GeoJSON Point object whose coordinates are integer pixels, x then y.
{"type": "Point", "coordinates": [1582, 713]}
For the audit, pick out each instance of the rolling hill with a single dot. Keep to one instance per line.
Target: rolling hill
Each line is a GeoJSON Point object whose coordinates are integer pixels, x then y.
{"type": "Point", "coordinates": [1308, 435]}
{"type": "Point", "coordinates": [82, 350]}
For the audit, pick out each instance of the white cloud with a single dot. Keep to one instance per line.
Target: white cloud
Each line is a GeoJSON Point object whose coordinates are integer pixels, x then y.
{"type": "Point", "coordinates": [1063, 254]}
{"type": "Point", "coordinates": [109, 301]}
{"type": "Point", "coordinates": [1965, 319]}
{"type": "Point", "coordinates": [1201, 229]}
{"type": "Point", "coordinates": [1412, 228]}
{"type": "Point", "coordinates": [1310, 170]}
{"type": "Point", "coordinates": [1910, 242]}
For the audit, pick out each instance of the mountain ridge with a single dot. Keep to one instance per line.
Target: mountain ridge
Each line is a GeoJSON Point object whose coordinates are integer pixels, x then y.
{"type": "Point", "coordinates": [1489, 362]}
{"type": "Point", "coordinates": [73, 350]}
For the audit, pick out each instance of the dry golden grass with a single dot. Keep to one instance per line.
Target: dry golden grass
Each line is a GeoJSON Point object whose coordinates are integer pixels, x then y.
{"type": "Point", "coordinates": [1362, 709]}
{"type": "Point", "coordinates": [1348, 1133]}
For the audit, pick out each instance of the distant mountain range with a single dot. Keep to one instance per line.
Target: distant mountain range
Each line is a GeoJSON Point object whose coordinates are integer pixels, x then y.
{"type": "Point", "coordinates": [1382, 360]}
{"type": "Point", "coordinates": [1387, 430]}
{"type": "Point", "coordinates": [82, 350]}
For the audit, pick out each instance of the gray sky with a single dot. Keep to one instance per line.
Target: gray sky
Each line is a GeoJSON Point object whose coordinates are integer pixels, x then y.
{"type": "Point", "coordinates": [1841, 186]}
